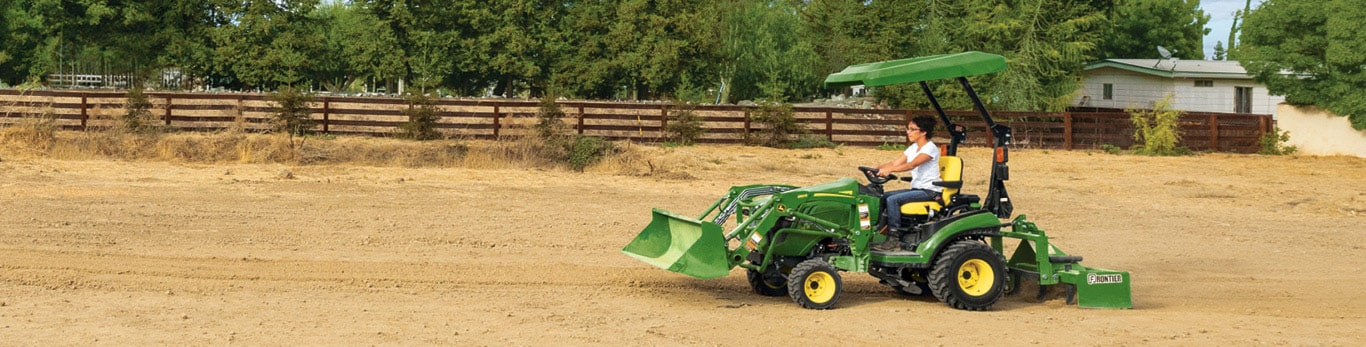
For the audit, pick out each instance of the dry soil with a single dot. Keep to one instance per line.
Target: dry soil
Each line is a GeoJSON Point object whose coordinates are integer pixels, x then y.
{"type": "Point", "coordinates": [1223, 249]}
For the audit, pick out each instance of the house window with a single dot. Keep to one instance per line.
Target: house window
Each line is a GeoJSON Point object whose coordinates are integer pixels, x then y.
{"type": "Point", "coordinates": [1109, 93]}
{"type": "Point", "coordinates": [1204, 83]}
{"type": "Point", "coordinates": [1242, 99]}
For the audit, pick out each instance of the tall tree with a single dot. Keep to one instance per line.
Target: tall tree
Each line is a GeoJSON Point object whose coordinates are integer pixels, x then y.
{"type": "Point", "coordinates": [1139, 26]}
{"type": "Point", "coordinates": [1320, 43]}
{"type": "Point", "coordinates": [269, 43]}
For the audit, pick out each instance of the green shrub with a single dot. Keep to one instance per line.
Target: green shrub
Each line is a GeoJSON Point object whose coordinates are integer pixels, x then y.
{"type": "Point", "coordinates": [1157, 130]}
{"type": "Point", "coordinates": [292, 111]}
{"type": "Point", "coordinates": [886, 146]}
{"type": "Point", "coordinates": [550, 125]}
{"type": "Point", "coordinates": [1111, 149]}
{"type": "Point", "coordinates": [422, 117]}
{"type": "Point", "coordinates": [137, 108]}
{"type": "Point", "coordinates": [813, 141]}
{"type": "Point", "coordinates": [1273, 143]}
{"type": "Point", "coordinates": [587, 150]}
{"type": "Point", "coordinates": [685, 126]}
{"type": "Point", "coordinates": [777, 125]}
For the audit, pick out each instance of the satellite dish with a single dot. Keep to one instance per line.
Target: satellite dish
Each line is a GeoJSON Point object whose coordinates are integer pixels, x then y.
{"type": "Point", "coordinates": [1166, 54]}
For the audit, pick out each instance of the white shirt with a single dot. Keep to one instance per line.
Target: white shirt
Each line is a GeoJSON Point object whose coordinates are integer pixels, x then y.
{"type": "Point", "coordinates": [923, 176]}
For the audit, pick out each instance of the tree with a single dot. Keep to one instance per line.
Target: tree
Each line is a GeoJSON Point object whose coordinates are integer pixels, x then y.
{"type": "Point", "coordinates": [269, 43]}
{"type": "Point", "coordinates": [1139, 26]}
{"type": "Point", "coordinates": [1320, 43]}
{"type": "Point", "coordinates": [1219, 52]}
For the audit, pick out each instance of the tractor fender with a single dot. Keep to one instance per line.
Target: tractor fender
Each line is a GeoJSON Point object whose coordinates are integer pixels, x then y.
{"type": "Point", "coordinates": [979, 223]}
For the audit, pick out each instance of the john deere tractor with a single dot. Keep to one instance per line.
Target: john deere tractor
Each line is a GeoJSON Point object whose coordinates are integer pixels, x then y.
{"type": "Point", "coordinates": [796, 241]}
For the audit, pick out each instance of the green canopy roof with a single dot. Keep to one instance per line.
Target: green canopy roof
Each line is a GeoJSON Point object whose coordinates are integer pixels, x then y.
{"type": "Point", "coordinates": [912, 70]}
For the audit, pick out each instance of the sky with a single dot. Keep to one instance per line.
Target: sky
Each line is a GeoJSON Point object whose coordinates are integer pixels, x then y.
{"type": "Point", "coordinates": [1221, 20]}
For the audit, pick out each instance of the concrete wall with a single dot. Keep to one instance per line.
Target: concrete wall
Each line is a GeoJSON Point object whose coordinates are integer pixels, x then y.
{"type": "Point", "coordinates": [1317, 132]}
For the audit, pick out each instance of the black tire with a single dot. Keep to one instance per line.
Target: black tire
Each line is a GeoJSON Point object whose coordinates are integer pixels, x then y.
{"type": "Point", "coordinates": [815, 284]}
{"type": "Point", "coordinates": [765, 286]}
{"type": "Point", "coordinates": [969, 275]}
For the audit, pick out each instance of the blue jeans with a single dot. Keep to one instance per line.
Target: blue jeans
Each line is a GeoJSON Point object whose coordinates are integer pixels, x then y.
{"type": "Point", "coordinates": [894, 199]}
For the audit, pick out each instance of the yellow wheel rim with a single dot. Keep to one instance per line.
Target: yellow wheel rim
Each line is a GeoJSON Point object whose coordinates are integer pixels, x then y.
{"type": "Point", "coordinates": [975, 277]}
{"type": "Point", "coordinates": [820, 287]}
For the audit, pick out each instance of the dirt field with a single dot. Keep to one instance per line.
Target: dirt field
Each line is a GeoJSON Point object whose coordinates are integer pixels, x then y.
{"type": "Point", "coordinates": [1223, 249]}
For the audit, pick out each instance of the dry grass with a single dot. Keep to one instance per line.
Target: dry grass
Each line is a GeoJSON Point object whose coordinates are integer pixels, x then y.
{"type": "Point", "coordinates": [37, 138]}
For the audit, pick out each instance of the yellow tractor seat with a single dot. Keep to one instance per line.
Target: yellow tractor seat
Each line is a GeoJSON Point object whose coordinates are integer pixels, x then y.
{"type": "Point", "coordinates": [951, 175]}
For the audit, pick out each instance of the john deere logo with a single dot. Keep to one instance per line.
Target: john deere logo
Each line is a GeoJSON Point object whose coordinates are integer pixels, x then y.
{"type": "Point", "coordinates": [1103, 279]}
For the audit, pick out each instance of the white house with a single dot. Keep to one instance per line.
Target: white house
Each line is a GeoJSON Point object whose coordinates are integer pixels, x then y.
{"type": "Point", "coordinates": [1197, 85]}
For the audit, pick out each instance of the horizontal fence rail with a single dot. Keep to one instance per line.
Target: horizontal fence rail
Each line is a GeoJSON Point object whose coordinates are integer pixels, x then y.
{"type": "Point", "coordinates": [644, 122]}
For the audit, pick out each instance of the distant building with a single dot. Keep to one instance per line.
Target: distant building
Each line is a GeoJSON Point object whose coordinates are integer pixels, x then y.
{"type": "Point", "coordinates": [1197, 85]}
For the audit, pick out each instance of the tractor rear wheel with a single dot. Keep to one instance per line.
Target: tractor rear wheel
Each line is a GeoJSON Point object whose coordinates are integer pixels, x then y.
{"type": "Point", "coordinates": [814, 284]}
{"type": "Point", "coordinates": [969, 275]}
{"type": "Point", "coordinates": [766, 283]}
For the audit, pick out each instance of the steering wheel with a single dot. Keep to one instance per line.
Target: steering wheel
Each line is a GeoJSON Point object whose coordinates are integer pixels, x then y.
{"type": "Point", "coordinates": [872, 176]}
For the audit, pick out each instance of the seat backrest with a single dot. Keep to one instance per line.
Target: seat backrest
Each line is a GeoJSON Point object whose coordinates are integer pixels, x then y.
{"type": "Point", "coordinates": [950, 170]}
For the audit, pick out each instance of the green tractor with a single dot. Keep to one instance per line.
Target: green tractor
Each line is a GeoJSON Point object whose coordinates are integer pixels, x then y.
{"type": "Point", "coordinates": [795, 241]}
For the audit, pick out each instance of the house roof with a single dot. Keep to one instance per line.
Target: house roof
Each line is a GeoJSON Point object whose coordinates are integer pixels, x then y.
{"type": "Point", "coordinates": [1176, 68]}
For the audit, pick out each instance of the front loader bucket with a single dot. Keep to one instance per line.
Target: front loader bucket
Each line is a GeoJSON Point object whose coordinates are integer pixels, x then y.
{"type": "Point", "coordinates": [681, 244]}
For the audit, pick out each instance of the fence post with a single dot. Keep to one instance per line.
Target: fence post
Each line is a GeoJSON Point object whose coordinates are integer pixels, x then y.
{"type": "Point", "coordinates": [746, 134]}
{"type": "Point", "coordinates": [327, 110]}
{"type": "Point", "coordinates": [1067, 130]}
{"type": "Point", "coordinates": [829, 126]}
{"type": "Point", "coordinates": [84, 115]}
{"type": "Point", "coordinates": [495, 121]}
{"type": "Point", "coordinates": [1214, 132]}
{"type": "Point", "coordinates": [1262, 127]}
{"type": "Point", "coordinates": [168, 110]}
{"type": "Point", "coordinates": [580, 120]}
{"type": "Point", "coordinates": [663, 121]}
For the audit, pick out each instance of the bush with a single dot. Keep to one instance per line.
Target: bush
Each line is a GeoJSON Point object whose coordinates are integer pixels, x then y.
{"type": "Point", "coordinates": [685, 126]}
{"type": "Point", "coordinates": [587, 150]}
{"type": "Point", "coordinates": [1156, 130]}
{"type": "Point", "coordinates": [777, 125]}
{"type": "Point", "coordinates": [422, 118]}
{"type": "Point", "coordinates": [138, 109]}
{"type": "Point", "coordinates": [813, 141]}
{"type": "Point", "coordinates": [1273, 143]}
{"type": "Point", "coordinates": [555, 142]}
{"type": "Point", "coordinates": [550, 125]}
{"type": "Point", "coordinates": [292, 111]}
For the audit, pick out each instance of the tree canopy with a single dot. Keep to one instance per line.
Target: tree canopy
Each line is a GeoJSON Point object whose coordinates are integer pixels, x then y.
{"type": "Point", "coordinates": [599, 49]}
{"type": "Point", "coordinates": [1309, 51]}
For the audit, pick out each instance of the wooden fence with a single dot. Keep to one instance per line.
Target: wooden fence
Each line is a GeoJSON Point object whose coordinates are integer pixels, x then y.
{"type": "Point", "coordinates": [644, 122]}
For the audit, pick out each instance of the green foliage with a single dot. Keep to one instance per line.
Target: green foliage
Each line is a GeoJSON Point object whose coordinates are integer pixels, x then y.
{"type": "Point", "coordinates": [422, 117]}
{"type": "Point", "coordinates": [1319, 43]}
{"type": "Point", "coordinates": [1111, 149]}
{"type": "Point", "coordinates": [813, 141]}
{"type": "Point", "coordinates": [887, 146]}
{"type": "Point", "coordinates": [776, 125]}
{"type": "Point", "coordinates": [137, 109]}
{"type": "Point", "coordinates": [550, 125]}
{"type": "Point", "coordinates": [684, 126]}
{"type": "Point", "coordinates": [1157, 131]}
{"type": "Point", "coordinates": [587, 150]}
{"type": "Point", "coordinates": [291, 111]}
{"type": "Point", "coordinates": [1138, 26]}
{"type": "Point", "coordinates": [1273, 143]}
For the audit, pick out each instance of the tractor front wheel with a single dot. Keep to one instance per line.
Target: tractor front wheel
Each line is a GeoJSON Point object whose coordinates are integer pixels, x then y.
{"type": "Point", "coordinates": [969, 275]}
{"type": "Point", "coordinates": [814, 284]}
{"type": "Point", "coordinates": [767, 283]}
